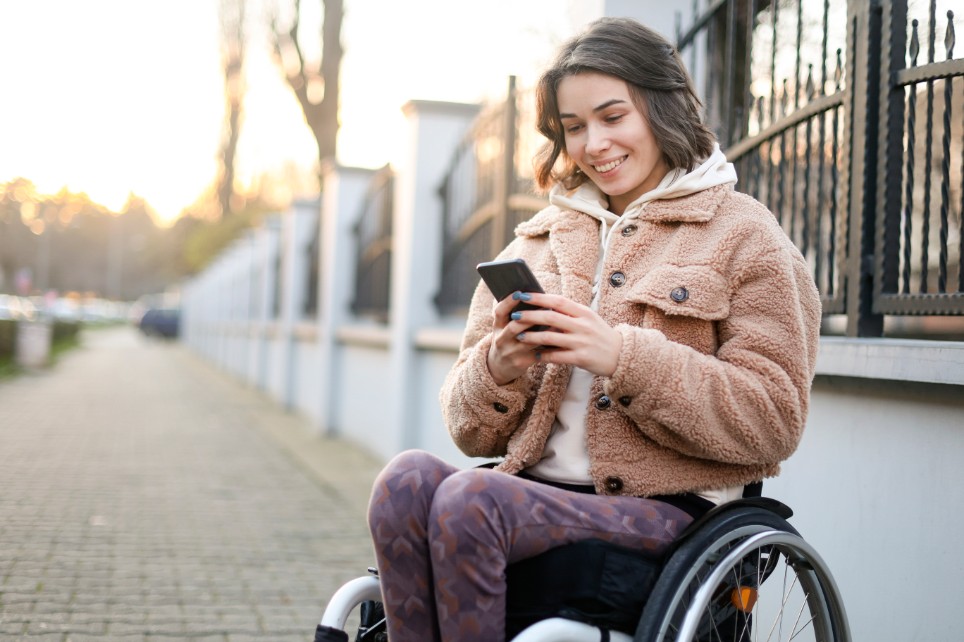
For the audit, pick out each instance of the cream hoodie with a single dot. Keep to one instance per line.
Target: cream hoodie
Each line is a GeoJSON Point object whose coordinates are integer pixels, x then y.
{"type": "Point", "coordinates": [565, 458]}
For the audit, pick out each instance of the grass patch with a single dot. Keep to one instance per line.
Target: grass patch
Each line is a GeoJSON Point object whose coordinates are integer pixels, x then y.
{"type": "Point", "coordinates": [8, 368]}
{"type": "Point", "coordinates": [62, 346]}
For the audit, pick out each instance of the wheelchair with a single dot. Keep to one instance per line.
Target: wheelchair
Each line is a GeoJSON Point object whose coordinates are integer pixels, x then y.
{"type": "Point", "coordinates": [739, 573]}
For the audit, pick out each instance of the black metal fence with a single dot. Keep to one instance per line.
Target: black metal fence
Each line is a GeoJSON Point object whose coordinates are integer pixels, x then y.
{"type": "Point", "coordinates": [373, 243]}
{"type": "Point", "coordinates": [309, 308]}
{"type": "Point", "coordinates": [485, 194]}
{"type": "Point", "coordinates": [784, 129]}
{"type": "Point", "coordinates": [846, 118]}
{"type": "Point", "coordinates": [837, 124]}
{"type": "Point", "coordinates": [919, 244]}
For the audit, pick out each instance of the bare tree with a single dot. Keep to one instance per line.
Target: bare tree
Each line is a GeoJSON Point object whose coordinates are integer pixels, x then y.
{"type": "Point", "coordinates": [232, 60]}
{"type": "Point", "coordinates": [307, 80]}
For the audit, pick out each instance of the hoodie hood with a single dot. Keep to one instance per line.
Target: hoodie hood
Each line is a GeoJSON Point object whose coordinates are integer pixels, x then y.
{"type": "Point", "coordinates": [590, 200]}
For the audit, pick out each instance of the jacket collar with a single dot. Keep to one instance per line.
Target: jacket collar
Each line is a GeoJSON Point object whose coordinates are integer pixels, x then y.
{"type": "Point", "coordinates": [694, 208]}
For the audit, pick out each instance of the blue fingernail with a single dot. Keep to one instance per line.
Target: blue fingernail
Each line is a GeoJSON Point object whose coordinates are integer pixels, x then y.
{"type": "Point", "coordinates": [515, 316]}
{"type": "Point", "coordinates": [520, 336]}
{"type": "Point", "coordinates": [520, 296]}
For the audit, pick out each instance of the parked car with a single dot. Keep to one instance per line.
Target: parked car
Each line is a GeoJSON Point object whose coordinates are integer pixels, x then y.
{"type": "Point", "coordinates": [161, 322]}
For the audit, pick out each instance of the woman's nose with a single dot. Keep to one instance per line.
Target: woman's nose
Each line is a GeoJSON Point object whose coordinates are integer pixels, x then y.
{"type": "Point", "coordinates": [596, 139]}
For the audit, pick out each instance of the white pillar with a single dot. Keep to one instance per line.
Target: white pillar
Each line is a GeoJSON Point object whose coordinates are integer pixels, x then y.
{"type": "Point", "coordinates": [342, 193]}
{"type": "Point", "coordinates": [268, 233]}
{"type": "Point", "coordinates": [434, 131]}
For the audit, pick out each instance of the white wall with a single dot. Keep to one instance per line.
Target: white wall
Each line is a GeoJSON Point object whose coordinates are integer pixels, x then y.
{"type": "Point", "coordinates": [877, 485]}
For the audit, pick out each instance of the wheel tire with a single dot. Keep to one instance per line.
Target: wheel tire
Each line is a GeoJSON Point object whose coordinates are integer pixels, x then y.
{"type": "Point", "coordinates": [781, 562]}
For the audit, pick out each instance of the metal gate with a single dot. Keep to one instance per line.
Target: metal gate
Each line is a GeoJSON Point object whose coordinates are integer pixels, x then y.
{"type": "Point", "coordinates": [817, 103]}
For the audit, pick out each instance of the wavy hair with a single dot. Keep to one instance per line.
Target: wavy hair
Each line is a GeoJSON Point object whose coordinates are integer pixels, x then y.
{"type": "Point", "coordinates": [657, 80]}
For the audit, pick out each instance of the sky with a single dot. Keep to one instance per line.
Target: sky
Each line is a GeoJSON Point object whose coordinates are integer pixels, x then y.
{"type": "Point", "coordinates": [112, 97]}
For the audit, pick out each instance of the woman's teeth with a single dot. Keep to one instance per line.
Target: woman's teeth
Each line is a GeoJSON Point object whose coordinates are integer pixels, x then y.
{"type": "Point", "coordinates": [602, 169]}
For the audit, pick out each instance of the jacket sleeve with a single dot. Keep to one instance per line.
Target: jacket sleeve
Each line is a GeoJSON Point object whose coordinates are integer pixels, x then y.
{"type": "Point", "coordinates": [480, 414]}
{"type": "Point", "coordinates": [747, 404]}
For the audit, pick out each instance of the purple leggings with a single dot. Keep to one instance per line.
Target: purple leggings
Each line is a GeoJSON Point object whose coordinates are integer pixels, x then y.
{"type": "Point", "coordinates": [443, 537]}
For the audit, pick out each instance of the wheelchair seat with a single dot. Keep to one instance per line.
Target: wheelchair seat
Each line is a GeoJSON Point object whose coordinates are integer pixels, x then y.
{"type": "Point", "coordinates": [601, 583]}
{"type": "Point", "coordinates": [739, 569]}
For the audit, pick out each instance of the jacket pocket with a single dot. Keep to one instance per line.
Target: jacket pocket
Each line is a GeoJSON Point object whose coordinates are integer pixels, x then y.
{"type": "Point", "coordinates": [695, 291]}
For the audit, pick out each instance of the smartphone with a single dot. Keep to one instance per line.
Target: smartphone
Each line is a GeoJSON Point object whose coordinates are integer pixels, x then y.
{"type": "Point", "coordinates": [508, 276]}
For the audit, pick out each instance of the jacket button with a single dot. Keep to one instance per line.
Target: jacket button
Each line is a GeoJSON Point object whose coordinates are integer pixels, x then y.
{"type": "Point", "coordinates": [679, 294]}
{"type": "Point", "coordinates": [603, 402]}
{"type": "Point", "coordinates": [617, 279]}
{"type": "Point", "coordinates": [625, 400]}
{"type": "Point", "coordinates": [500, 407]}
{"type": "Point", "coordinates": [629, 230]}
{"type": "Point", "coordinates": [614, 484]}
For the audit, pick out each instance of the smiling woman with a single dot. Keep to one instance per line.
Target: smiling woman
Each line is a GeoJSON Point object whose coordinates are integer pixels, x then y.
{"type": "Point", "coordinates": [610, 142]}
{"type": "Point", "coordinates": [678, 339]}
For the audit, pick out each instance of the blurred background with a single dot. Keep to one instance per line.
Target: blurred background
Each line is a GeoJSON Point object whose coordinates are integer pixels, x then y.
{"type": "Point", "coordinates": [138, 138]}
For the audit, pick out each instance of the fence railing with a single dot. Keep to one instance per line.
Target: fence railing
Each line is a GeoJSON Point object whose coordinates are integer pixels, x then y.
{"type": "Point", "coordinates": [836, 120]}
{"type": "Point", "coordinates": [816, 103]}
{"type": "Point", "coordinates": [919, 242]}
{"type": "Point", "coordinates": [486, 192]}
{"type": "Point", "coordinates": [786, 130]}
{"type": "Point", "coordinates": [373, 243]}
{"type": "Point", "coordinates": [313, 265]}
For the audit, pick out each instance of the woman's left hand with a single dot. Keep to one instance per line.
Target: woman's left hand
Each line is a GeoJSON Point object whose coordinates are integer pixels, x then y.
{"type": "Point", "coordinates": [577, 336]}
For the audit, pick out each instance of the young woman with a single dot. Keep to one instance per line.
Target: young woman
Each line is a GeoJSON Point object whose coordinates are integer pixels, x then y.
{"type": "Point", "coordinates": [683, 329]}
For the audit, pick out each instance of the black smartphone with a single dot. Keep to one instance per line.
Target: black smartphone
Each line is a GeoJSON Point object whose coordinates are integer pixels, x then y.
{"type": "Point", "coordinates": [508, 276]}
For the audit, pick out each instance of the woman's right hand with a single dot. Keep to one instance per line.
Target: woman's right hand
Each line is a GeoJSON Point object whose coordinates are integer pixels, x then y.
{"type": "Point", "coordinates": [508, 358]}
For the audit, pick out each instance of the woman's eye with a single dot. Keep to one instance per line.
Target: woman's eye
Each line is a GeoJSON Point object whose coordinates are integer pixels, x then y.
{"type": "Point", "coordinates": [572, 129]}
{"type": "Point", "coordinates": [614, 118]}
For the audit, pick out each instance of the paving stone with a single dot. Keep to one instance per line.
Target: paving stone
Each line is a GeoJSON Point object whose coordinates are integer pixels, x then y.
{"type": "Point", "coordinates": [148, 496]}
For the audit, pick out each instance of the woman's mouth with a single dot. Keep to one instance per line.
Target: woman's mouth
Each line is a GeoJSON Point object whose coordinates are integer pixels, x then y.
{"type": "Point", "coordinates": [611, 165]}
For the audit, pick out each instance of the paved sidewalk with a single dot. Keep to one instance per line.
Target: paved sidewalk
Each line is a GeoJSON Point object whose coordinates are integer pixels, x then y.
{"type": "Point", "coordinates": [146, 496]}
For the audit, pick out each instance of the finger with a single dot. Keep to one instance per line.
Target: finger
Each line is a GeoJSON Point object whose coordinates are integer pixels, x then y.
{"type": "Point", "coordinates": [550, 318]}
{"type": "Point", "coordinates": [501, 310]}
{"type": "Point", "coordinates": [557, 302]}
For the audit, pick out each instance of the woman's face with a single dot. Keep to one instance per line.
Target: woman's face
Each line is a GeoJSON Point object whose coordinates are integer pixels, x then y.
{"type": "Point", "coordinates": [608, 137]}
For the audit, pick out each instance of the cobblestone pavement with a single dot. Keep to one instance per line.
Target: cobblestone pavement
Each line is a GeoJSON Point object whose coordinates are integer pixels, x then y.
{"type": "Point", "coordinates": [146, 496]}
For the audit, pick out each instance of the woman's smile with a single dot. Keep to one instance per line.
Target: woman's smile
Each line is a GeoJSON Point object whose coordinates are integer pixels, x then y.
{"type": "Point", "coordinates": [609, 138]}
{"type": "Point", "coordinates": [611, 165]}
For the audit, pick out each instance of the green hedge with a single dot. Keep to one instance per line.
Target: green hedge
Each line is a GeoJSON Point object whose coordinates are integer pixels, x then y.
{"type": "Point", "coordinates": [63, 333]}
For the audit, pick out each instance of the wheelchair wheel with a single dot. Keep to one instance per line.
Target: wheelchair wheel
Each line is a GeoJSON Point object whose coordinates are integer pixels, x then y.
{"type": "Point", "coordinates": [747, 575]}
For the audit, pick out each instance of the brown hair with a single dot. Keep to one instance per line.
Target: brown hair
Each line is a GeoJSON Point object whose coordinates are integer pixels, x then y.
{"type": "Point", "coordinates": [657, 81]}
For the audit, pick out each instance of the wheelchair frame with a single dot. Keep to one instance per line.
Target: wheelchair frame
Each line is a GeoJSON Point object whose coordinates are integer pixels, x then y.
{"type": "Point", "coordinates": [710, 588]}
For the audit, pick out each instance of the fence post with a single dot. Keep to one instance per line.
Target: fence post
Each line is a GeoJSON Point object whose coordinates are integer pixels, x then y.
{"type": "Point", "coordinates": [435, 129]}
{"type": "Point", "coordinates": [297, 225]}
{"type": "Point", "coordinates": [889, 167]}
{"type": "Point", "coordinates": [267, 318]}
{"type": "Point", "coordinates": [864, 37]}
{"type": "Point", "coordinates": [506, 177]}
{"type": "Point", "coordinates": [343, 188]}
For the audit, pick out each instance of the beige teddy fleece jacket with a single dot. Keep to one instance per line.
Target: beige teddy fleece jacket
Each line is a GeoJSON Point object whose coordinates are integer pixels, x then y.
{"type": "Point", "coordinates": [719, 318]}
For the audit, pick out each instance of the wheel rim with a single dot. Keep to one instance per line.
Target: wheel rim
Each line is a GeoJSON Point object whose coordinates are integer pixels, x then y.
{"type": "Point", "coordinates": [757, 584]}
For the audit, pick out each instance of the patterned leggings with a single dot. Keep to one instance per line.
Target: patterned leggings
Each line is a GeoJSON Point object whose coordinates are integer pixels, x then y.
{"type": "Point", "coordinates": [443, 537]}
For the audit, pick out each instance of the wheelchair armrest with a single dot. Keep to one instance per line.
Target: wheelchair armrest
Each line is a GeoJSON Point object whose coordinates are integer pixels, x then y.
{"type": "Point", "coordinates": [766, 503]}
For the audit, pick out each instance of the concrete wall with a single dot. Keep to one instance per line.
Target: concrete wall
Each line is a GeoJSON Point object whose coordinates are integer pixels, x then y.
{"type": "Point", "coordinates": [877, 484]}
